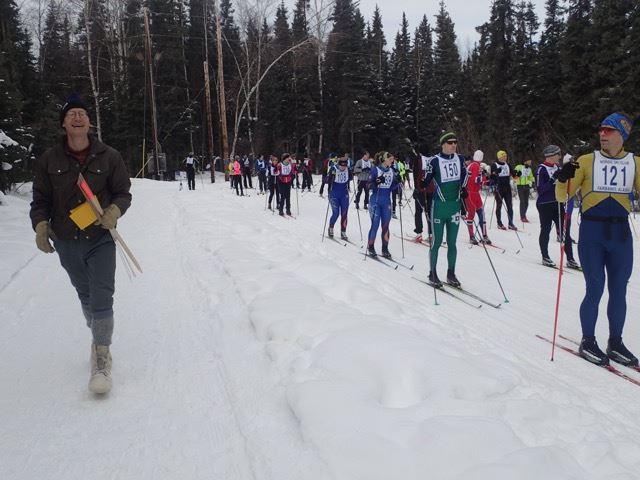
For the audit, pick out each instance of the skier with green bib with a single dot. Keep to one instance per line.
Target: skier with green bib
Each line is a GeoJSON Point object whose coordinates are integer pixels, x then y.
{"type": "Point", "coordinates": [450, 175]}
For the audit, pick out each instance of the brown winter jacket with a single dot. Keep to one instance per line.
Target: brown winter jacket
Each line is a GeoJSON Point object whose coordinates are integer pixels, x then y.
{"type": "Point", "coordinates": [55, 192]}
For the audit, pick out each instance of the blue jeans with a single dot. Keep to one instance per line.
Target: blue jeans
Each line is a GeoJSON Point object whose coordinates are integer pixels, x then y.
{"type": "Point", "coordinates": [91, 266]}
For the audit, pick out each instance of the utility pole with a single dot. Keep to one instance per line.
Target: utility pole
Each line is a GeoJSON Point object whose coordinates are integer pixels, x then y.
{"type": "Point", "coordinates": [207, 92]}
{"type": "Point", "coordinates": [147, 45]}
{"type": "Point", "coordinates": [221, 96]}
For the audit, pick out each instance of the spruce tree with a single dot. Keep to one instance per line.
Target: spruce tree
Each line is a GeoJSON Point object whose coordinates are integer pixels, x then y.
{"type": "Point", "coordinates": [423, 74]}
{"type": "Point", "coordinates": [402, 88]}
{"type": "Point", "coordinates": [447, 78]}
{"type": "Point", "coordinates": [550, 74]}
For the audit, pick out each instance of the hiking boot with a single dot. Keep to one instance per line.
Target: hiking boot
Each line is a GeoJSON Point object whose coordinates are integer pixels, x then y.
{"type": "Point", "coordinates": [452, 279]}
{"type": "Point", "coordinates": [590, 351]}
{"type": "Point", "coordinates": [434, 280]}
{"type": "Point", "coordinates": [372, 251]}
{"type": "Point", "coordinates": [617, 352]}
{"type": "Point", "coordinates": [100, 381]}
{"type": "Point", "coordinates": [547, 262]}
{"type": "Point", "coordinates": [330, 232]}
{"type": "Point", "coordinates": [485, 239]}
{"type": "Point", "coordinates": [343, 235]}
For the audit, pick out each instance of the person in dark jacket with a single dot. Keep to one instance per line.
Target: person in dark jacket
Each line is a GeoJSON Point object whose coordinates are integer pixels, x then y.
{"type": "Point", "coordinates": [85, 247]}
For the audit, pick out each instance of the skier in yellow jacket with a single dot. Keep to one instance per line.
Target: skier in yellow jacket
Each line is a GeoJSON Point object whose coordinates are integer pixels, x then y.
{"type": "Point", "coordinates": [604, 179]}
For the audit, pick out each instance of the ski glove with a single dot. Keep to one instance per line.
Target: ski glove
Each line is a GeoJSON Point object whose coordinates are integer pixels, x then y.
{"type": "Point", "coordinates": [567, 171]}
{"type": "Point", "coordinates": [109, 218]}
{"type": "Point", "coordinates": [379, 180]}
{"type": "Point", "coordinates": [518, 173]}
{"type": "Point", "coordinates": [463, 193]}
{"type": "Point", "coordinates": [43, 234]}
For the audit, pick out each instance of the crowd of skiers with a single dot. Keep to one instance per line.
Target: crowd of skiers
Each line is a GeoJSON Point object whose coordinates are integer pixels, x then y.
{"type": "Point", "coordinates": [448, 189]}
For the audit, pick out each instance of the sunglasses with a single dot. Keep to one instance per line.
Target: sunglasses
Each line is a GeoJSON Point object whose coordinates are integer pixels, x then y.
{"type": "Point", "coordinates": [452, 142]}
{"type": "Point", "coordinates": [606, 131]}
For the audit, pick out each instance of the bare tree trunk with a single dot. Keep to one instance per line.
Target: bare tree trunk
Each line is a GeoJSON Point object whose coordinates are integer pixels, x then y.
{"type": "Point", "coordinates": [95, 89]}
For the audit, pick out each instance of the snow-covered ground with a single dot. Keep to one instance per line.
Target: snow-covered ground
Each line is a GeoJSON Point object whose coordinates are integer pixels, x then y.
{"type": "Point", "coordinates": [250, 349]}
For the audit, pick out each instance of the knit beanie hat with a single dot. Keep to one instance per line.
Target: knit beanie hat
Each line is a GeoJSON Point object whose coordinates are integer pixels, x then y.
{"type": "Point", "coordinates": [620, 122]}
{"type": "Point", "coordinates": [501, 154]}
{"type": "Point", "coordinates": [478, 155]}
{"type": "Point", "coordinates": [73, 101]}
{"type": "Point", "coordinates": [551, 150]}
{"type": "Point", "coordinates": [448, 136]}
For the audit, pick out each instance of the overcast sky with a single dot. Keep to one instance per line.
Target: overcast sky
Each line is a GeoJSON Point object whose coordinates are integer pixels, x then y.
{"type": "Point", "coordinates": [466, 15]}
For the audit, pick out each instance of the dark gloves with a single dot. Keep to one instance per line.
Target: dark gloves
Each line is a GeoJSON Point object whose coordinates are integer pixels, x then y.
{"type": "Point", "coordinates": [518, 173]}
{"type": "Point", "coordinates": [463, 193]}
{"type": "Point", "coordinates": [567, 171]}
{"type": "Point", "coordinates": [379, 180]}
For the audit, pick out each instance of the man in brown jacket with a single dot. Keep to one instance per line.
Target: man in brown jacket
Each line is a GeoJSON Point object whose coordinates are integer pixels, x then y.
{"type": "Point", "coordinates": [87, 254]}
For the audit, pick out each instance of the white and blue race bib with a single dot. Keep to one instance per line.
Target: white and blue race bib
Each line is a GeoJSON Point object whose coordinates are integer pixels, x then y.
{"type": "Point", "coordinates": [449, 169]}
{"type": "Point", "coordinates": [341, 176]}
{"type": "Point", "coordinates": [613, 175]}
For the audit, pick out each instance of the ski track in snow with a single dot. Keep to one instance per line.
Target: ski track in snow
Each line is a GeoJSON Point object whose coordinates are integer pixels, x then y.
{"type": "Point", "coordinates": [249, 349]}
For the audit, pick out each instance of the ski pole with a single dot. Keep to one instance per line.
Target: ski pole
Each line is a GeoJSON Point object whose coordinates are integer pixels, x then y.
{"type": "Point", "coordinates": [560, 272]}
{"type": "Point", "coordinates": [431, 269]}
{"type": "Point", "coordinates": [357, 211]}
{"type": "Point", "coordinates": [401, 233]}
{"type": "Point", "coordinates": [265, 201]}
{"type": "Point", "coordinates": [486, 250]}
{"type": "Point", "coordinates": [297, 204]}
{"type": "Point", "coordinates": [504, 204]}
{"type": "Point", "coordinates": [326, 216]}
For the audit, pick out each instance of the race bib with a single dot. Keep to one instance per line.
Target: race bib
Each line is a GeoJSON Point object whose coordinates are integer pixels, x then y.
{"type": "Point", "coordinates": [342, 176]}
{"type": "Point", "coordinates": [449, 169]}
{"type": "Point", "coordinates": [387, 178]}
{"type": "Point", "coordinates": [613, 175]}
{"type": "Point", "coordinates": [503, 170]}
{"type": "Point", "coordinates": [285, 169]}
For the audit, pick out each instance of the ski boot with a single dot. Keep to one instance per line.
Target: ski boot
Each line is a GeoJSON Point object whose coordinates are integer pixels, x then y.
{"type": "Point", "coordinates": [485, 239]}
{"type": "Point", "coordinates": [501, 227]}
{"type": "Point", "coordinates": [571, 263]}
{"type": "Point", "coordinates": [372, 251]}
{"type": "Point", "coordinates": [525, 220]}
{"type": "Point", "coordinates": [434, 280]}
{"type": "Point", "coordinates": [547, 262]}
{"type": "Point", "coordinates": [343, 235]}
{"type": "Point", "coordinates": [330, 232]}
{"type": "Point", "coordinates": [590, 351]}
{"type": "Point", "coordinates": [512, 227]}
{"type": "Point", "coordinates": [418, 238]}
{"type": "Point", "coordinates": [617, 352]}
{"type": "Point", "coordinates": [357, 206]}
{"type": "Point", "coordinates": [366, 207]}
{"type": "Point", "coordinates": [386, 253]}
{"type": "Point", "coordinates": [473, 241]}
{"type": "Point", "coordinates": [393, 215]}
{"type": "Point", "coordinates": [452, 279]}
{"type": "Point", "coordinates": [281, 213]}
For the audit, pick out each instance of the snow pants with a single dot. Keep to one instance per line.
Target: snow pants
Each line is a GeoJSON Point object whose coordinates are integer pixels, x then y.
{"type": "Point", "coordinates": [91, 266]}
{"type": "Point", "coordinates": [339, 206]}
{"type": "Point", "coordinates": [380, 214]}
{"type": "Point", "coordinates": [236, 181]}
{"type": "Point", "coordinates": [605, 245]}
{"type": "Point", "coordinates": [445, 215]}
{"type": "Point", "coordinates": [273, 189]}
